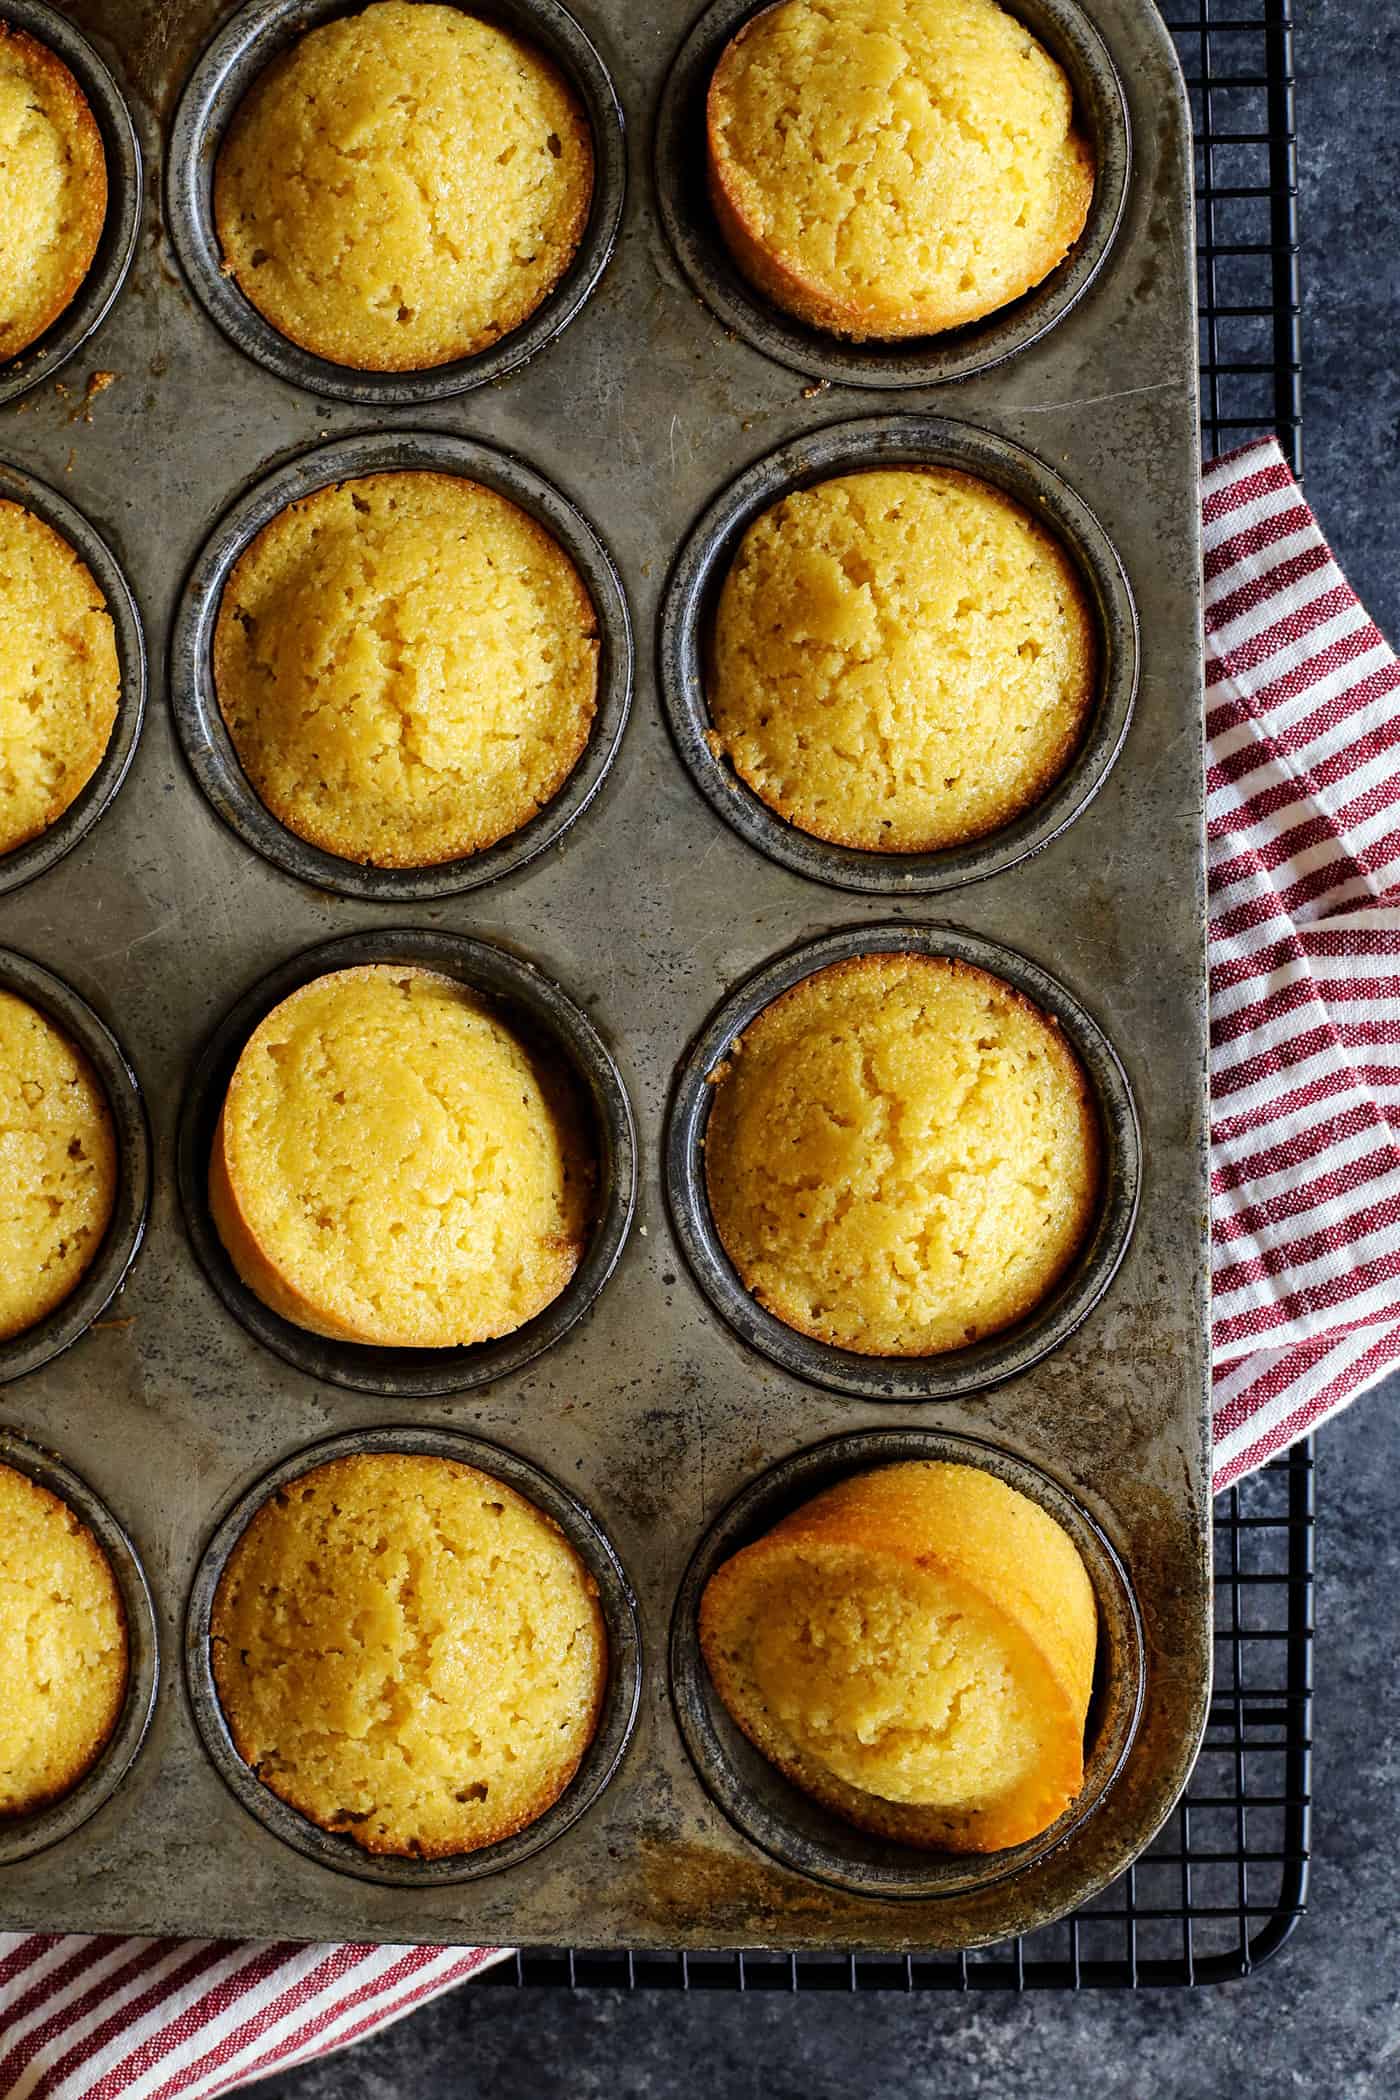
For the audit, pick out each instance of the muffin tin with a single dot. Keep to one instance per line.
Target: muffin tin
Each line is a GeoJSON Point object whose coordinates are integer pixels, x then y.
{"type": "Point", "coordinates": [633, 934]}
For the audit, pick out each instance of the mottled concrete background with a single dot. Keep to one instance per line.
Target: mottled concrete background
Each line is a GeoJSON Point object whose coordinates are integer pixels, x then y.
{"type": "Point", "coordinates": [1324, 2017]}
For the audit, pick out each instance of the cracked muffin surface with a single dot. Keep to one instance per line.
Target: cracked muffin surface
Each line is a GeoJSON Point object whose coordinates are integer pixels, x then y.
{"type": "Point", "coordinates": [893, 168]}
{"type": "Point", "coordinates": [914, 1648]}
{"type": "Point", "coordinates": [58, 1165]}
{"type": "Point", "coordinates": [53, 188]}
{"type": "Point", "coordinates": [395, 1164]}
{"type": "Point", "coordinates": [403, 186]}
{"type": "Point", "coordinates": [903, 659]}
{"type": "Point", "coordinates": [63, 1647]}
{"type": "Point", "coordinates": [409, 1652]}
{"type": "Point", "coordinates": [902, 1155]}
{"type": "Point", "coordinates": [60, 680]}
{"type": "Point", "coordinates": [407, 664]}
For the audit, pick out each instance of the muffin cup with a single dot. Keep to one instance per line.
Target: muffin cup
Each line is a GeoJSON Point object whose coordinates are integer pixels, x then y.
{"type": "Point", "coordinates": [689, 221]}
{"type": "Point", "coordinates": [200, 723]}
{"type": "Point", "coordinates": [39, 854]}
{"type": "Point", "coordinates": [93, 300]}
{"type": "Point", "coordinates": [222, 76]}
{"type": "Point", "coordinates": [108, 1270]}
{"type": "Point", "coordinates": [21, 1836]}
{"type": "Point", "coordinates": [697, 578]}
{"type": "Point", "coordinates": [549, 1013]}
{"type": "Point", "coordinates": [957, 1371]}
{"type": "Point", "coordinates": [620, 1699]}
{"type": "Point", "coordinates": [786, 1823]}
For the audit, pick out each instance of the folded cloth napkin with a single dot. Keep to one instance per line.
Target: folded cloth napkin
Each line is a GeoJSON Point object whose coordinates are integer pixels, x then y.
{"type": "Point", "coordinates": [1303, 733]}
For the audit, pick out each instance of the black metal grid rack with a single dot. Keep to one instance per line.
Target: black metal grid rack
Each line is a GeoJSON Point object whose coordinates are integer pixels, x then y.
{"type": "Point", "coordinates": [1224, 1883]}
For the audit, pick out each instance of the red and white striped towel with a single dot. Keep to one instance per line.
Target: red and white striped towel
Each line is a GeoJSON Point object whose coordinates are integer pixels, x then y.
{"type": "Point", "coordinates": [103, 2018]}
{"type": "Point", "coordinates": [1304, 814]}
{"type": "Point", "coordinates": [1303, 809]}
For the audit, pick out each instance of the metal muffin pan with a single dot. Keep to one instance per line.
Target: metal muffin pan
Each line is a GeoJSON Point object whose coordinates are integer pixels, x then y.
{"type": "Point", "coordinates": [652, 914]}
{"type": "Point", "coordinates": [774, 1813]}
{"type": "Point", "coordinates": [94, 298]}
{"type": "Point", "coordinates": [958, 1372]}
{"type": "Point", "coordinates": [1067, 32]}
{"type": "Point", "coordinates": [209, 748]}
{"type": "Point", "coordinates": [121, 1242]}
{"type": "Point", "coordinates": [243, 47]}
{"type": "Point", "coordinates": [39, 854]}
{"type": "Point", "coordinates": [22, 1836]}
{"type": "Point", "coordinates": [692, 594]}
{"type": "Point", "coordinates": [528, 998]}
{"type": "Point", "coordinates": [620, 1699]}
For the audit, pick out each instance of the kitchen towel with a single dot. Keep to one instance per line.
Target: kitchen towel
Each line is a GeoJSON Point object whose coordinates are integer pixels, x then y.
{"type": "Point", "coordinates": [1303, 816]}
{"type": "Point", "coordinates": [1303, 811]}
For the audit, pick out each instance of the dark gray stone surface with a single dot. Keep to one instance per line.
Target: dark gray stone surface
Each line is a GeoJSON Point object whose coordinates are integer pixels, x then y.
{"type": "Point", "coordinates": [1324, 2016]}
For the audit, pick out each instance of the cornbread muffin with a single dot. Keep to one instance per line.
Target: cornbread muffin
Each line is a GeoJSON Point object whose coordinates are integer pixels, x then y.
{"type": "Point", "coordinates": [394, 1164]}
{"type": "Point", "coordinates": [58, 1165]}
{"type": "Point", "coordinates": [915, 1649]}
{"type": "Point", "coordinates": [408, 1651]}
{"type": "Point", "coordinates": [53, 188]}
{"type": "Point", "coordinates": [903, 659]}
{"type": "Point", "coordinates": [59, 676]}
{"type": "Point", "coordinates": [403, 187]}
{"type": "Point", "coordinates": [891, 168]}
{"type": "Point", "coordinates": [63, 1647]}
{"type": "Point", "coordinates": [902, 1155]}
{"type": "Point", "coordinates": [408, 667]}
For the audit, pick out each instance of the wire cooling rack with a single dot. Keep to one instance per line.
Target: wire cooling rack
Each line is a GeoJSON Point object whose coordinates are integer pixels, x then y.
{"type": "Point", "coordinates": [1224, 1883]}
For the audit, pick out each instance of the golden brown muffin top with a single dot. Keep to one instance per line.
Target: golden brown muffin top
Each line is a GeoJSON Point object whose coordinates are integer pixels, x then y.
{"type": "Point", "coordinates": [53, 188]}
{"type": "Point", "coordinates": [916, 1647]}
{"type": "Point", "coordinates": [63, 1646]}
{"type": "Point", "coordinates": [60, 680]}
{"type": "Point", "coordinates": [902, 1155]}
{"type": "Point", "coordinates": [903, 659]}
{"type": "Point", "coordinates": [895, 167]}
{"type": "Point", "coordinates": [407, 664]}
{"type": "Point", "coordinates": [58, 1165]}
{"type": "Point", "coordinates": [408, 1651]}
{"type": "Point", "coordinates": [408, 1167]}
{"type": "Point", "coordinates": [403, 186]}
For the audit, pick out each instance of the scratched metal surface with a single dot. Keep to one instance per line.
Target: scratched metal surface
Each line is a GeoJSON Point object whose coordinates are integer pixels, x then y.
{"type": "Point", "coordinates": [648, 913]}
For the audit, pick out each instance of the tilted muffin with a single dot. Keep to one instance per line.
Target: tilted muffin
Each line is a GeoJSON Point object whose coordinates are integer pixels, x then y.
{"type": "Point", "coordinates": [53, 188]}
{"type": "Point", "coordinates": [902, 1155]}
{"type": "Point", "coordinates": [892, 168]}
{"type": "Point", "coordinates": [408, 1651]}
{"type": "Point", "coordinates": [903, 659]}
{"type": "Point", "coordinates": [408, 667]}
{"type": "Point", "coordinates": [915, 1649]}
{"type": "Point", "coordinates": [394, 1164]}
{"type": "Point", "coordinates": [63, 1647]}
{"type": "Point", "coordinates": [60, 680]}
{"type": "Point", "coordinates": [403, 186]}
{"type": "Point", "coordinates": [58, 1165]}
